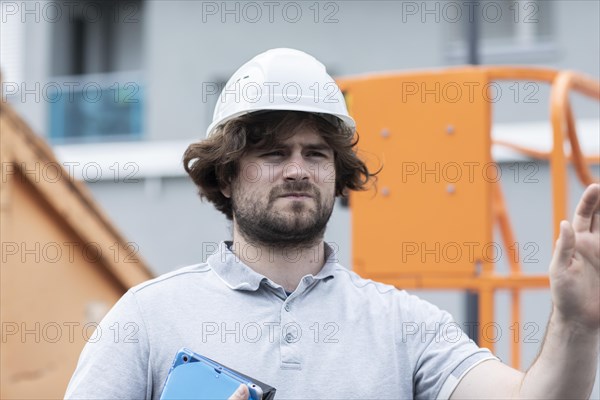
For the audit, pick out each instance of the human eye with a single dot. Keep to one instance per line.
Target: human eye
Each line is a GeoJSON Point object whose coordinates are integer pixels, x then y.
{"type": "Point", "coordinates": [273, 153]}
{"type": "Point", "coordinates": [317, 153]}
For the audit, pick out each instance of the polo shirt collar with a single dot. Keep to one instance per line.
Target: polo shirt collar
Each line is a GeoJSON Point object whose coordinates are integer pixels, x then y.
{"type": "Point", "coordinates": [238, 276]}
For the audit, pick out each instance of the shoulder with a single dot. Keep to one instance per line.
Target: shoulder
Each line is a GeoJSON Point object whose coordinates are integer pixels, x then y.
{"type": "Point", "coordinates": [356, 283]}
{"type": "Point", "coordinates": [160, 289]}
{"type": "Point", "coordinates": [367, 290]}
{"type": "Point", "coordinates": [173, 286]}
{"type": "Point", "coordinates": [177, 277]}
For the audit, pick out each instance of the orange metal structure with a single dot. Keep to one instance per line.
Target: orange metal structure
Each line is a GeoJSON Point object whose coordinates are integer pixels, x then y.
{"type": "Point", "coordinates": [438, 198]}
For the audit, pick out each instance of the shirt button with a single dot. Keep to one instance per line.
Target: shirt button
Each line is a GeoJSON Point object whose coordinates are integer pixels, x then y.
{"type": "Point", "coordinates": [287, 307]}
{"type": "Point", "coordinates": [289, 338]}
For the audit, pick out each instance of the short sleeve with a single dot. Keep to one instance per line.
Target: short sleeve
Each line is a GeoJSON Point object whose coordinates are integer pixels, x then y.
{"type": "Point", "coordinates": [442, 351]}
{"type": "Point", "coordinates": [114, 363]}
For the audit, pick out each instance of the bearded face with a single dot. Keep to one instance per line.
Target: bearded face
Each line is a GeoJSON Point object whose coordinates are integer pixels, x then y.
{"type": "Point", "coordinates": [284, 197]}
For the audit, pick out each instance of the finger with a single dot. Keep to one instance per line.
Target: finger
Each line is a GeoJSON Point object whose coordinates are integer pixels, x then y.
{"type": "Point", "coordinates": [582, 221]}
{"type": "Point", "coordinates": [565, 245]}
{"type": "Point", "coordinates": [241, 393]}
{"type": "Point", "coordinates": [596, 221]}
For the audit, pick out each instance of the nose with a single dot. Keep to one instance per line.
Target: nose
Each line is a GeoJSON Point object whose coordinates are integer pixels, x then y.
{"type": "Point", "coordinates": [296, 169]}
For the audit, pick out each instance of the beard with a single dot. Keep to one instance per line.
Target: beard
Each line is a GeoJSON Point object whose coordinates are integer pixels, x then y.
{"type": "Point", "coordinates": [299, 226]}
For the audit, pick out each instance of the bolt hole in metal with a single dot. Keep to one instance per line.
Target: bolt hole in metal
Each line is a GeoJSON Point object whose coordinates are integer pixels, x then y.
{"type": "Point", "coordinates": [185, 359]}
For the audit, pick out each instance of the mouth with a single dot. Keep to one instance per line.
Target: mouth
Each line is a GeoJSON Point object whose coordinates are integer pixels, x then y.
{"type": "Point", "coordinates": [297, 196]}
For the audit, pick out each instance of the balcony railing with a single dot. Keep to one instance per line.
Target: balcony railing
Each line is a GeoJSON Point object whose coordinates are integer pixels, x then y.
{"type": "Point", "coordinates": [99, 107]}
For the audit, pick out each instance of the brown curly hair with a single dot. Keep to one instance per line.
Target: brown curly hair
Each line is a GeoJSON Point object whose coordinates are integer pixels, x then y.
{"type": "Point", "coordinates": [213, 163]}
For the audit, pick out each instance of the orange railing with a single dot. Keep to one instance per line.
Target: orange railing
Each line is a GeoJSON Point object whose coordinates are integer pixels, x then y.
{"type": "Point", "coordinates": [369, 102]}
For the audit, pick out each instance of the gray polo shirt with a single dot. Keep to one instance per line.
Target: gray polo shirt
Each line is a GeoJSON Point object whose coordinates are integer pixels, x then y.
{"type": "Point", "coordinates": [337, 336]}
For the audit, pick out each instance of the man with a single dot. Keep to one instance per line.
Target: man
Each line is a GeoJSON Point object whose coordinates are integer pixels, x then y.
{"type": "Point", "coordinates": [274, 304]}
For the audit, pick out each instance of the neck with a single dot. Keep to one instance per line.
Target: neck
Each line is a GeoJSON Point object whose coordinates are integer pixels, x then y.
{"type": "Point", "coordinates": [284, 266]}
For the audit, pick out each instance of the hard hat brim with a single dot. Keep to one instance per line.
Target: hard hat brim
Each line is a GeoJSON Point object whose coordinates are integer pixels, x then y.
{"type": "Point", "coordinates": [346, 120]}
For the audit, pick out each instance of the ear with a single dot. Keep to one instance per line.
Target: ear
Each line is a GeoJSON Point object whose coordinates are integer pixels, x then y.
{"type": "Point", "coordinates": [226, 190]}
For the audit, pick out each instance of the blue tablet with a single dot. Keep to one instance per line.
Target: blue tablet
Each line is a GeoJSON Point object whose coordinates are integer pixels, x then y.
{"type": "Point", "coordinates": [193, 376]}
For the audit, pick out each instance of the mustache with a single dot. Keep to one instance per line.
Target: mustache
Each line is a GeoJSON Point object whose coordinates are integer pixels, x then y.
{"type": "Point", "coordinates": [293, 187]}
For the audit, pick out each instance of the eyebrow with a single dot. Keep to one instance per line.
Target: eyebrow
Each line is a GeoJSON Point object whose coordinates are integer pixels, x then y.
{"type": "Point", "coordinates": [310, 146]}
{"type": "Point", "coordinates": [322, 147]}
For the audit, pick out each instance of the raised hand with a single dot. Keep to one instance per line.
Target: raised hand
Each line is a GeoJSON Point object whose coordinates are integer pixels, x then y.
{"type": "Point", "coordinates": [575, 265]}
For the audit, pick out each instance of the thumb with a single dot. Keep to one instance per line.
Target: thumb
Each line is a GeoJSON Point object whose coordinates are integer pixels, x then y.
{"type": "Point", "coordinates": [241, 393]}
{"type": "Point", "coordinates": [565, 245]}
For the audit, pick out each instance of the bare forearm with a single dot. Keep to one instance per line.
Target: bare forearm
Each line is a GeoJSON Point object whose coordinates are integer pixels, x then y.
{"type": "Point", "coordinates": [565, 369]}
{"type": "Point", "coordinates": [566, 366]}
{"type": "Point", "coordinates": [567, 363]}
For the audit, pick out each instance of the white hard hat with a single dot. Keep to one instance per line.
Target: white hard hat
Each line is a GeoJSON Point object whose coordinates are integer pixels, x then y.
{"type": "Point", "coordinates": [280, 79]}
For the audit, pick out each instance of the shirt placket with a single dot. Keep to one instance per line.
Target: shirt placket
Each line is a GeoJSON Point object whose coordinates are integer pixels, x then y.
{"type": "Point", "coordinates": [293, 333]}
